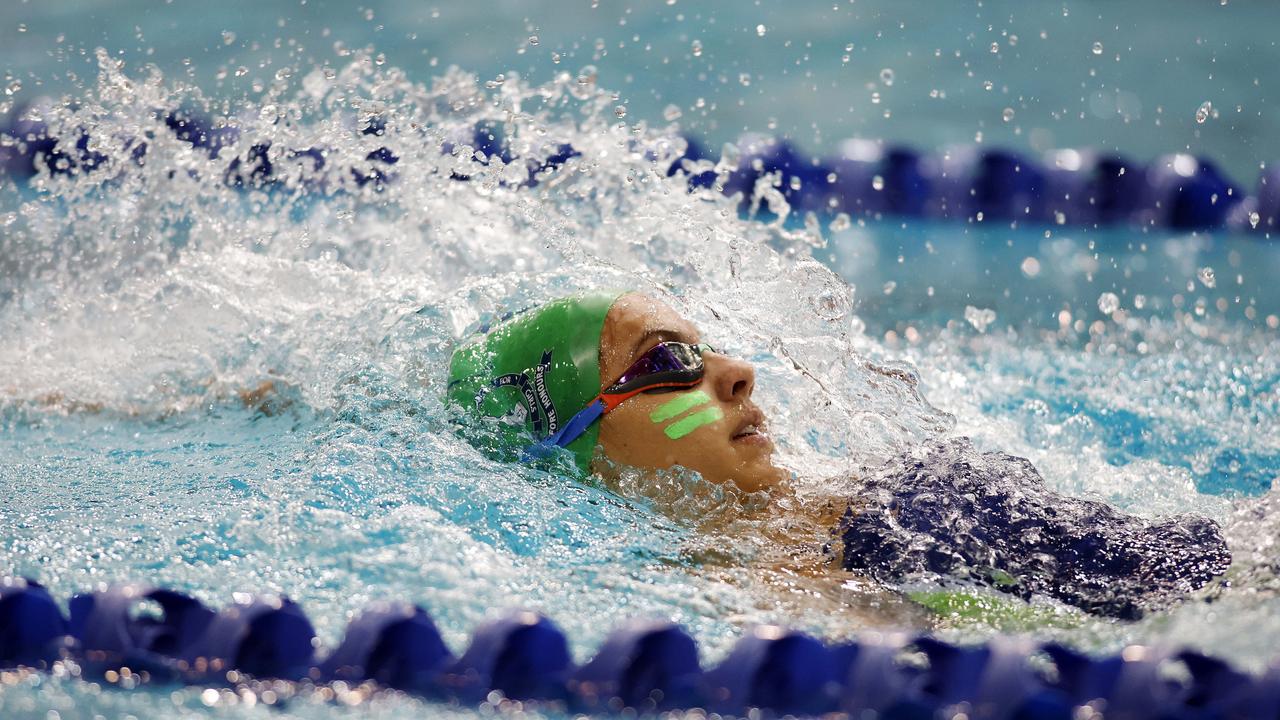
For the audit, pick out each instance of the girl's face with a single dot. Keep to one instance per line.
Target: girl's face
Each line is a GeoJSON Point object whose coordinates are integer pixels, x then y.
{"type": "Point", "coordinates": [713, 428]}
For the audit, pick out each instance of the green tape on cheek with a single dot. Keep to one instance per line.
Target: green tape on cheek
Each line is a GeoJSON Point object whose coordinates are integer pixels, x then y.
{"type": "Point", "coordinates": [677, 430]}
{"type": "Point", "coordinates": [668, 410]}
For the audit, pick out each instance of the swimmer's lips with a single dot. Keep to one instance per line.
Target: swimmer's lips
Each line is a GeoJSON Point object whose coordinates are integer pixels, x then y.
{"type": "Point", "coordinates": [751, 429]}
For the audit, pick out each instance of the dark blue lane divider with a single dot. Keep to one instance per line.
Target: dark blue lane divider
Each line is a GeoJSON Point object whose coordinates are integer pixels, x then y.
{"type": "Point", "coordinates": [863, 180]}
{"type": "Point", "coordinates": [163, 636]}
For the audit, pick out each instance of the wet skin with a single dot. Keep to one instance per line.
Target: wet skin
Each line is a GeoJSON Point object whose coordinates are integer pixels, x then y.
{"type": "Point", "coordinates": [733, 448]}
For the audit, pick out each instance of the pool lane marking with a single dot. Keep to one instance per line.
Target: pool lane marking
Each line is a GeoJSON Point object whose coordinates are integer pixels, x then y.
{"type": "Point", "coordinates": [680, 428]}
{"type": "Point", "coordinates": [686, 401]}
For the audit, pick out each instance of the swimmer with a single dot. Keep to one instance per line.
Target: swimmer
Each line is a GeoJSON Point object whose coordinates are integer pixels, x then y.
{"type": "Point", "coordinates": [622, 378]}
{"type": "Point", "coordinates": [614, 380]}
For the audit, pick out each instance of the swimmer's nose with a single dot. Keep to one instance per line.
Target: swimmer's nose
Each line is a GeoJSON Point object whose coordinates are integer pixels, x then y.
{"type": "Point", "coordinates": [731, 378]}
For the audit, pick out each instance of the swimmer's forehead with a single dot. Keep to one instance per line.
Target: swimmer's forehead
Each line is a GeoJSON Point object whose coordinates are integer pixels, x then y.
{"type": "Point", "coordinates": [638, 322]}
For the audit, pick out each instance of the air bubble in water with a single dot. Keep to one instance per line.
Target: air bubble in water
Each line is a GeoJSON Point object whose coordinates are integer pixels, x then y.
{"type": "Point", "coordinates": [761, 30]}
{"type": "Point", "coordinates": [672, 113]}
{"type": "Point", "coordinates": [886, 77]}
{"type": "Point", "coordinates": [1207, 277]}
{"type": "Point", "coordinates": [1030, 266]}
{"type": "Point", "coordinates": [1097, 48]}
{"type": "Point", "coordinates": [744, 79]}
{"type": "Point", "coordinates": [1007, 115]}
{"type": "Point", "coordinates": [12, 87]}
{"type": "Point", "coordinates": [979, 318]}
{"type": "Point", "coordinates": [1203, 112]}
{"type": "Point", "coordinates": [1254, 219]}
{"type": "Point", "coordinates": [22, 27]}
{"type": "Point", "coordinates": [620, 111]}
{"type": "Point", "coordinates": [533, 39]}
{"type": "Point", "coordinates": [840, 223]}
{"type": "Point", "coordinates": [877, 183]}
{"type": "Point", "coordinates": [875, 98]}
{"type": "Point", "coordinates": [1108, 303]}
{"type": "Point", "coordinates": [995, 48]}
{"type": "Point", "coordinates": [228, 37]}
{"type": "Point", "coordinates": [555, 58]}
{"type": "Point", "coordinates": [697, 48]}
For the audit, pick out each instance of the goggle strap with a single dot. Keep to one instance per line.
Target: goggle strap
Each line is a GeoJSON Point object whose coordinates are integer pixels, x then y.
{"type": "Point", "coordinates": [568, 432]}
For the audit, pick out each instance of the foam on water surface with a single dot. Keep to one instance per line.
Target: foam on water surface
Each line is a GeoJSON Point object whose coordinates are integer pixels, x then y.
{"type": "Point", "coordinates": [238, 386]}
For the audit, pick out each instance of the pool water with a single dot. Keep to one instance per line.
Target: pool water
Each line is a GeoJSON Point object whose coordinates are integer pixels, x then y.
{"type": "Point", "coordinates": [219, 388]}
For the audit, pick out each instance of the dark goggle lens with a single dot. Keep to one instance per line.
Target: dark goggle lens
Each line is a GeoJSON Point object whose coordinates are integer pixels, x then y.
{"type": "Point", "coordinates": [666, 362]}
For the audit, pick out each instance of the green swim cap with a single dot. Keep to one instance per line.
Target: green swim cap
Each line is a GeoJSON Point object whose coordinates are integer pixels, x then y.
{"type": "Point", "coordinates": [533, 373]}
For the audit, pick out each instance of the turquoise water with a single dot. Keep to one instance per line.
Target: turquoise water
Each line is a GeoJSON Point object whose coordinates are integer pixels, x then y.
{"type": "Point", "coordinates": [143, 301]}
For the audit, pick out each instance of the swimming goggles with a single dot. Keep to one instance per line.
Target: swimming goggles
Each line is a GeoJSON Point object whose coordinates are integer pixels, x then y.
{"type": "Point", "coordinates": [666, 366]}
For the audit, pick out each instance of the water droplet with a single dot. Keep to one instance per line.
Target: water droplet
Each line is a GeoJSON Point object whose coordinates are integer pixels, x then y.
{"type": "Point", "coordinates": [22, 27]}
{"type": "Point", "coordinates": [995, 48]}
{"type": "Point", "coordinates": [840, 222]}
{"type": "Point", "coordinates": [697, 48]}
{"type": "Point", "coordinates": [555, 58]}
{"type": "Point", "coordinates": [979, 318]}
{"type": "Point", "coordinates": [875, 98]}
{"type": "Point", "coordinates": [1203, 112]}
{"type": "Point", "coordinates": [877, 183]}
{"type": "Point", "coordinates": [1108, 303]}
{"type": "Point", "coordinates": [13, 86]}
{"type": "Point", "coordinates": [1254, 219]}
{"type": "Point", "coordinates": [889, 287]}
{"type": "Point", "coordinates": [533, 39]}
{"type": "Point", "coordinates": [228, 37]}
{"type": "Point", "coordinates": [761, 30]}
{"type": "Point", "coordinates": [1097, 48]}
{"type": "Point", "coordinates": [1139, 301]}
{"type": "Point", "coordinates": [242, 71]}
{"type": "Point", "coordinates": [886, 77]}
{"type": "Point", "coordinates": [284, 73]}
{"type": "Point", "coordinates": [987, 85]}
{"type": "Point", "coordinates": [1207, 277]}
{"type": "Point", "coordinates": [496, 82]}
{"type": "Point", "coordinates": [1007, 115]}
{"type": "Point", "coordinates": [620, 111]}
{"type": "Point", "coordinates": [744, 79]}
{"type": "Point", "coordinates": [1030, 266]}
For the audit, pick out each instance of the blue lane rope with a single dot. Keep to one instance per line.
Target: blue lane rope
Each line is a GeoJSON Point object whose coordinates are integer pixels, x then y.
{"type": "Point", "coordinates": [645, 665]}
{"type": "Point", "coordinates": [973, 184]}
